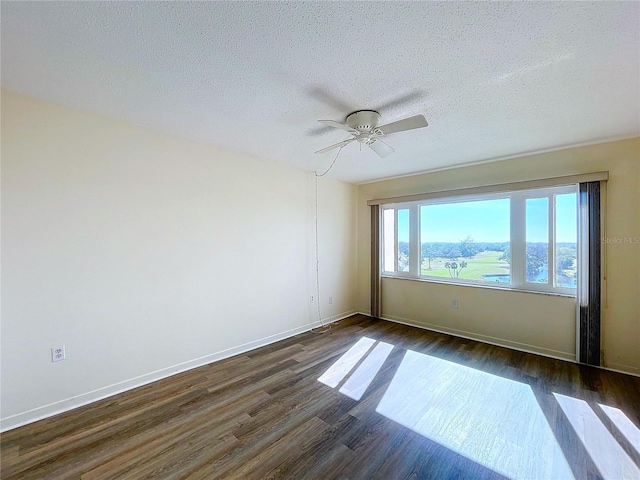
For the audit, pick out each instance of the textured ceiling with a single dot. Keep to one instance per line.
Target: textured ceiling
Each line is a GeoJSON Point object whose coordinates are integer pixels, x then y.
{"type": "Point", "coordinates": [492, 79]}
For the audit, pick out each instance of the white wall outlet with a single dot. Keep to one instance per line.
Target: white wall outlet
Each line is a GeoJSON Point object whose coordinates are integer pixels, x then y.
{"type": "Point", "coordinates": [454, 303]}
{"type": "Point", "coordinates": [330, 300]}
{"type": "Point", "coordinates": [58, 354]}
{"type": "Point", "coordinates": [312, 299]}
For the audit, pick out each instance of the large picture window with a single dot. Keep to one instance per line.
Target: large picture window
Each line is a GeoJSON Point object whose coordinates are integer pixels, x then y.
{"type": "Point", "coordinates": [525, 240]}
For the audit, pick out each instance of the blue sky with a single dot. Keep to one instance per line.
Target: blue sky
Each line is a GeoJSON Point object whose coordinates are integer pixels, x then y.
{"type": "Point", "coordinates": [488, 221]}
{"type": "Point", "coordinates": [566, 218]}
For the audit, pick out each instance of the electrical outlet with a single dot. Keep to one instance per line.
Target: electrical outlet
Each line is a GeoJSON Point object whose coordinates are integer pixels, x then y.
{"type": "Point", "coordinates": [330, 300]}
{"type": "Point", "coordinates": [311, 299]}
{"type": "Point", "coordinates": [454, 303]}
{"type": "Point", "coordinates": [57, 354]}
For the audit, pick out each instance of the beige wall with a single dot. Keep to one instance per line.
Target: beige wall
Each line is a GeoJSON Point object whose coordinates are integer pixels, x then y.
{"type": "Point", "coordinates": [145, 254]}
{"type": "Point", "coordinates": [529, 321]}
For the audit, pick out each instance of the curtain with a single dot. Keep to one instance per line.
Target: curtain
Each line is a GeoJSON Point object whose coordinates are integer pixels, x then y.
{"type": "Point", "coordinates": [375, 261]}
{"type": "Point", "coordinates": [589, 269]}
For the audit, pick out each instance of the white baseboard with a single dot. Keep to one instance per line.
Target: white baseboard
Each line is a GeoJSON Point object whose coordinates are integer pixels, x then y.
{"type": "Point", "coordinates": [626, 369]}
{"type": "Point", "coordinates": [521, 347]}
{"type": "Point", "coordinates": [46, 411]}
{"type": "Point", "coordinates": [500, 342]}
{"type": "Point", "coordinates": [61, 406]}
{"type": "Point", "coordinates": [333, 318]}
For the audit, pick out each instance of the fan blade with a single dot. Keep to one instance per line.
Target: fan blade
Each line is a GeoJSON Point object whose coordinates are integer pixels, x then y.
{"type": "Point", "coordinates": [341, 144]}
{"type": "Point", "coordinates": [410, 123]}
{"type": "Point", "coordinates": [339, 125]}
{"type": "Point", "coordinates": [381, 148]}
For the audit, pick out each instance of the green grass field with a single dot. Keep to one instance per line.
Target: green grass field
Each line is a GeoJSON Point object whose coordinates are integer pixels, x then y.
{"type": "Point", "coordinates": [481, 264]}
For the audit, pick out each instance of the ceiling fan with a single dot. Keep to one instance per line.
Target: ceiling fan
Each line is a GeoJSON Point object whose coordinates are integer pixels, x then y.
{"type": "Point", "coordinates": [363, 126]}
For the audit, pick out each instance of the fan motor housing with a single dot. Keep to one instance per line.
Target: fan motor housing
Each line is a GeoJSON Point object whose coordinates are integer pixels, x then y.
{"type": "Point", "coordinates": [363, 120]}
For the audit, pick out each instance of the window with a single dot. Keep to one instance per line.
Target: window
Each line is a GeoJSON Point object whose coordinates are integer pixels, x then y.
{"type": "Point", "coordinates": [466, 240]}
{"type": "Point", "coordinates": [395, 223]}
{"type": "Point", "coordinates": [565, 251]}
{"type": "Point", "coordinates": [525, 240]}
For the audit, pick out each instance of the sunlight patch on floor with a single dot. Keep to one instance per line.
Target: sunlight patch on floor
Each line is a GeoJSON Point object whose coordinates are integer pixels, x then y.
{"type": "Point", "coordinates": [341, 368]}
{"type": "Point", "coordinates": [626, 426]}
{"type": "Point", "coordinates": [607, 454]}
{"type": "Point", "coordinates": [489, 419]}
{"type": "Point", "coordinates": [493, 421]}
{"type": "Point", "coordinates": [360, 380]}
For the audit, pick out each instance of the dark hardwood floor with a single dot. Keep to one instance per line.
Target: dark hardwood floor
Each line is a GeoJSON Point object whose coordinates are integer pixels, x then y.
{"type": "Point", "coordinates": [368, 399]}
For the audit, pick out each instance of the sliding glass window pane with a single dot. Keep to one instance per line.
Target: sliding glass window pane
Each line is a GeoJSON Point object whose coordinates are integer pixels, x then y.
{"type": "Point", "coordinates": [537, 213]}
{"type": "Point", "coordinates": [403, 240]}
{"type": "Point", "coordinates": [466, 240]}
{"type": "Point", "coordinates": [388, 240]}
{"type": "Point", "coordinates": [566, 240]}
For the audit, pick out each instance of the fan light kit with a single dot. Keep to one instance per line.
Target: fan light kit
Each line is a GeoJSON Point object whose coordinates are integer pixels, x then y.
{"type": "Point", "coordinates": [363, 126]}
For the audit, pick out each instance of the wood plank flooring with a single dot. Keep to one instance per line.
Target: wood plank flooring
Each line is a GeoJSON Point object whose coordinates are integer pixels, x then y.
{"type": "Point", "coordinates": [392, 402]}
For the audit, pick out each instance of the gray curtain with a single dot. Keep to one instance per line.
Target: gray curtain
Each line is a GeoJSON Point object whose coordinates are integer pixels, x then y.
{"type": "Point", "coordinates": [589, 268]}
{"type": "Point", "coordinates": [375, 261]}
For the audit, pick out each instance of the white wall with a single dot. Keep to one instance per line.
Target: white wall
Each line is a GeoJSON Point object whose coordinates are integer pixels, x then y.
{"type": "Point", "coordinates": [145, 254]}
{"type": "Point", "coordinates": [529, 321]}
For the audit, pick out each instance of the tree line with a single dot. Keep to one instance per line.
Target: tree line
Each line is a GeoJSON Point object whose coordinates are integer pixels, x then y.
{"type": "Point", "coordinates": [537, 252]}
{"type": "Point", "coordinates": [465, 248]}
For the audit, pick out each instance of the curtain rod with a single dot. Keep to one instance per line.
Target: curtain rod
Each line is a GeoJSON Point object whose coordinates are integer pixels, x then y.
{"type": "Point", "coordinates": [499, 187]}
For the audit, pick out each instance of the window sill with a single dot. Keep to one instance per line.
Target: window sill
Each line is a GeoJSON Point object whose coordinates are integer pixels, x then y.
{"type": "Point", "coordinates": [476, 285]}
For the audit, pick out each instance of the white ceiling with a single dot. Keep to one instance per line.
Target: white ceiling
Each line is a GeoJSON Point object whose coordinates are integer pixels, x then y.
{"type": "Point", "coordinates": [492, 79]}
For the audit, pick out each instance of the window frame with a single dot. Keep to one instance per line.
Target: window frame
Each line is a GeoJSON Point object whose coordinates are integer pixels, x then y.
{"type": "Point", "coordinates": [517, 240]}
{"type": "Point", "coordinates": [396, 241]}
